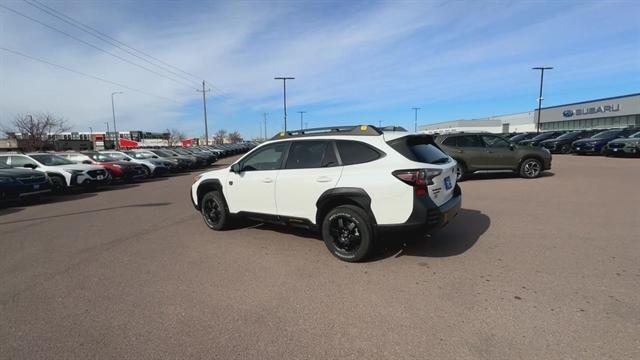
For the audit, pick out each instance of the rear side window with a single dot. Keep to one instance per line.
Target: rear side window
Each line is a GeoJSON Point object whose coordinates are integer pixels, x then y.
{"type": "Point", "coordinates": [306, 154]}
{"type": "Point", "coordinates": [419, 148]}
{"type": "Point", "coordinates": [355, 152]}
{"type": "Point", "coordinates": [468, 141]}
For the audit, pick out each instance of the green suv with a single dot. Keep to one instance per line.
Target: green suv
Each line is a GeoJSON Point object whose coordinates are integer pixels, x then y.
{"type": "Point", "coordinates": [483, 152]}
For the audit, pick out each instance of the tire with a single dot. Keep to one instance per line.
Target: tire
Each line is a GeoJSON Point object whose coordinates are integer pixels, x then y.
{"type": "Point", "coordinates": [214, 210]}
{"type": "Point", "coordinates": [461, 172]}
{"type": "Point", "coordinates": [565, 149]}
{"type": "Point", "coordinates": [347, 233]}
{"type": "Point", "coordinates": [530, 168]}
{"type": "Point", "coordinates": [59, 184]}
{"type": "Point", "coordinates": [147, 172]}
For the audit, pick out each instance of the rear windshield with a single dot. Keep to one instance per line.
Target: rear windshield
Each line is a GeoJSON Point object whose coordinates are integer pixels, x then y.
{"type": "Point", "coordinates": [420, 148]}
{"type": "Point", "coordinates": [606, 134]}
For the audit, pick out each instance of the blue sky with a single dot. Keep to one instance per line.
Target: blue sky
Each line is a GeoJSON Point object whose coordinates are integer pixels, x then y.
{"type": "Point", "coordinates": [354, 62]}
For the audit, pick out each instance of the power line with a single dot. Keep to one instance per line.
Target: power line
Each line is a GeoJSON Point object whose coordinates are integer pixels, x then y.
{"type": "Point", "coordinates": [101, 37]}
{"type": "Point", "coordinates": [95, 47]}
{"type": "Point", "coordinates": [112, 41]}
{"type": "Point", "coordinates": [86, 75]}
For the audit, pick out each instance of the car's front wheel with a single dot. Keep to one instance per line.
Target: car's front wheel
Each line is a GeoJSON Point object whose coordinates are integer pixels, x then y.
{"type": "Point", "coordinates": [347, 233]}
{"type": "Point", "coordinates": [565, 149]}
{"type": "Point", "coordinates": [530, 168]}
{"type": "Point", "coordinates": [214, 210]}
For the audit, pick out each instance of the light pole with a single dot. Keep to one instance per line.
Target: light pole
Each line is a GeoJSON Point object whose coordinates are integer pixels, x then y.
{"type": "Point", "coordinates": [264, 115]}
{"type": "Point", "coordinates": [204, 103]}
{"type": "Point", "coordinates": [284, 87]}
{"type": "Point", "coordinates": [113, 111]}
{"type": "Point", "coordinates": [301, 119]}
{"type": "Point", "coordinates": [542, 69]}
{"type": "Point", "coordinates": [415, 119]}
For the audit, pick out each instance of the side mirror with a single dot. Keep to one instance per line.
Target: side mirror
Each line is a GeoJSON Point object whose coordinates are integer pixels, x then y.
{"type": "Point", "coordinates": [512, 146]}
{"type": "Point", "coordinates": [235, 168]}
{"type": "Point", "coordinates": [154, 157]}
{"type": "Point", "coordinates": [30, 166]}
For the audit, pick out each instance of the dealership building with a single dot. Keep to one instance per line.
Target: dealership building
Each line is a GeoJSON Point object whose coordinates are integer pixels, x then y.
{"type": "Point", "coordinates": [614, 112]}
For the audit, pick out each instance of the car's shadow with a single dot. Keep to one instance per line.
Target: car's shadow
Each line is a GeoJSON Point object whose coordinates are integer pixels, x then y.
{"type": "Point", "coordinates": [501, 175]}
{"type": "Point", "coordinates": [454, 239]}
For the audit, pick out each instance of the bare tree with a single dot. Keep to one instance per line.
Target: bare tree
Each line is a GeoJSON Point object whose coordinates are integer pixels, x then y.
{"type": "Point", "coordinates": [235, 137]}
{"type": "Point", "coordinates": [175, 137]}
{"type": "Point", "coordinates": [34, 130]}
{"type": "Point", "coordinates": [220, 136]}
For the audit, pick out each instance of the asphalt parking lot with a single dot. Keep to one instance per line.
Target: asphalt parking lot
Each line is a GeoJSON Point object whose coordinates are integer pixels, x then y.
{"type": "Point", "coordinates": [544, 268]}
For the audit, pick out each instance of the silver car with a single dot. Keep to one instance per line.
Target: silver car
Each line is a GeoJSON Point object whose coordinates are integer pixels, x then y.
{"type": "Point", "coordinates": [152, 167]}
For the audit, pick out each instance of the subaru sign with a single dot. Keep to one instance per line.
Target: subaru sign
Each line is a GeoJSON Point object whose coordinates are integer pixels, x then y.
{"type": "Point", "coordinates": [591, 110]}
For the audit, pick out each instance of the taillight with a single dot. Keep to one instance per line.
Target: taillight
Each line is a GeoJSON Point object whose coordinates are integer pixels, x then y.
{"type": "Point", "coordinates": [418, 178]}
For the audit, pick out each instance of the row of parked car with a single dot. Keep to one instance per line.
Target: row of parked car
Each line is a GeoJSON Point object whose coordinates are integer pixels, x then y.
{"type": "Point", "coordinates": [34, 174]}
{"type": "Point", "coordinates": [625, 141]}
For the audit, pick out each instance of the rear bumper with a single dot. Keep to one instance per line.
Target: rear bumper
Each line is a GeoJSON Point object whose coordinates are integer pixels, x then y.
{"type": "Point", "coordinates": [426, 215]}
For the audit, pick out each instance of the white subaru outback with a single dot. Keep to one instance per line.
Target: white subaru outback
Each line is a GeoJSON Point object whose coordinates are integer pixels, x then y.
{"type": "Point", "coordinates": [348, 182]}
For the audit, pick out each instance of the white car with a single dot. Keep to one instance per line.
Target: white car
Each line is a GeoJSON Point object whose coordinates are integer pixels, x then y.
{"type": "Point", "coordinates": [348, 182]}
{"type": "Point", "coordinates": [153, 167]}
{"type": "Point", "coordinates": [62, 172]}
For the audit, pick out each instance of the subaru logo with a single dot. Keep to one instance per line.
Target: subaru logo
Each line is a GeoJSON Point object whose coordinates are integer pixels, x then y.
{"type": "Point", "coordinates": [567, 113]}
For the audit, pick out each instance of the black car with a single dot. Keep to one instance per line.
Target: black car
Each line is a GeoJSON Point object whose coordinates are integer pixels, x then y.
{"type": "Point", "coordinates": [17, 183]}
{"type": "Point", "coordinates": [562, 144]}
{"type": "Point", "coordinates": [596, 143]}
{"type": "Point", "coordinates": [523, 136]}
{"type": "Point", "coordinates": [536, 140]}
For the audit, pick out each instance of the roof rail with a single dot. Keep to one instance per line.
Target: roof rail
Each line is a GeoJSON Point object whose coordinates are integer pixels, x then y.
{"type": "Point", "coordinates": [362, 130]}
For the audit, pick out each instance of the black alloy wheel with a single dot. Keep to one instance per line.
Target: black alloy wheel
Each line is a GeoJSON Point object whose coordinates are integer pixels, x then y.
{"type": "Point", "coordinates": [347, 233]}
{"type": "Point", "coordinates": [214, 210]}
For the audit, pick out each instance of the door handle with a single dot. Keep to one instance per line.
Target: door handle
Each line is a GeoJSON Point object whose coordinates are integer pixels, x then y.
{"type": "Point", "coordinates": [323, 179]}
{"type": "Point", "coordinates": [267, 180]}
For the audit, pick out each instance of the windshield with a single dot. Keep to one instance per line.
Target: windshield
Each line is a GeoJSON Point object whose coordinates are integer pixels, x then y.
{"type": "Point", "coordinates": [519, 137]}
{"type": "Point", "coordinates": [543, 136]}
{"type": "Point", "coordinates": [51, 160]}
{"type": "Point", "coordinates": [102, 157]}
{"type": "Point", "coordinates": [163, 153]}
{"type": "Point", "coordinates": [570, 135]}
{"type": "Point", "coordinates": [605, 134]}
{"type": "Point", "coordinates": [635, 136]}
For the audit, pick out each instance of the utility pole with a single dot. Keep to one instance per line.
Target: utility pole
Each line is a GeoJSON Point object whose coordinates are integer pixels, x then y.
{"type": "Point", "coordinates": [415, 119]}
{"type": "Point", "coordinates": [204, 103]}
{"type": "Point", "coordinates": [113, 111]}
{"type": "Point", "coordinates": [284, 86]}
{"type": "Point", "coordinates": [264, 115]}
{"type": "Point", "coordinates": [542, 69]}
{"type": "Point", "coordinates": [104, 141]}
{"type": "Point", "coordinates": [301, 117]}
{"type": "Point", "coordinates": [260, 133]}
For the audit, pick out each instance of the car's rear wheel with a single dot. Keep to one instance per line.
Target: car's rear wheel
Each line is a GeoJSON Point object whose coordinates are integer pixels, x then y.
{"type": "Point", "coordinates": [565, 149]}
{"type": "Point", "coordinates": [214, 210]}
{"type": "Point", "coordinates": [347, 233]}
{"type": "Point", "coordinates": [530, 168]}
